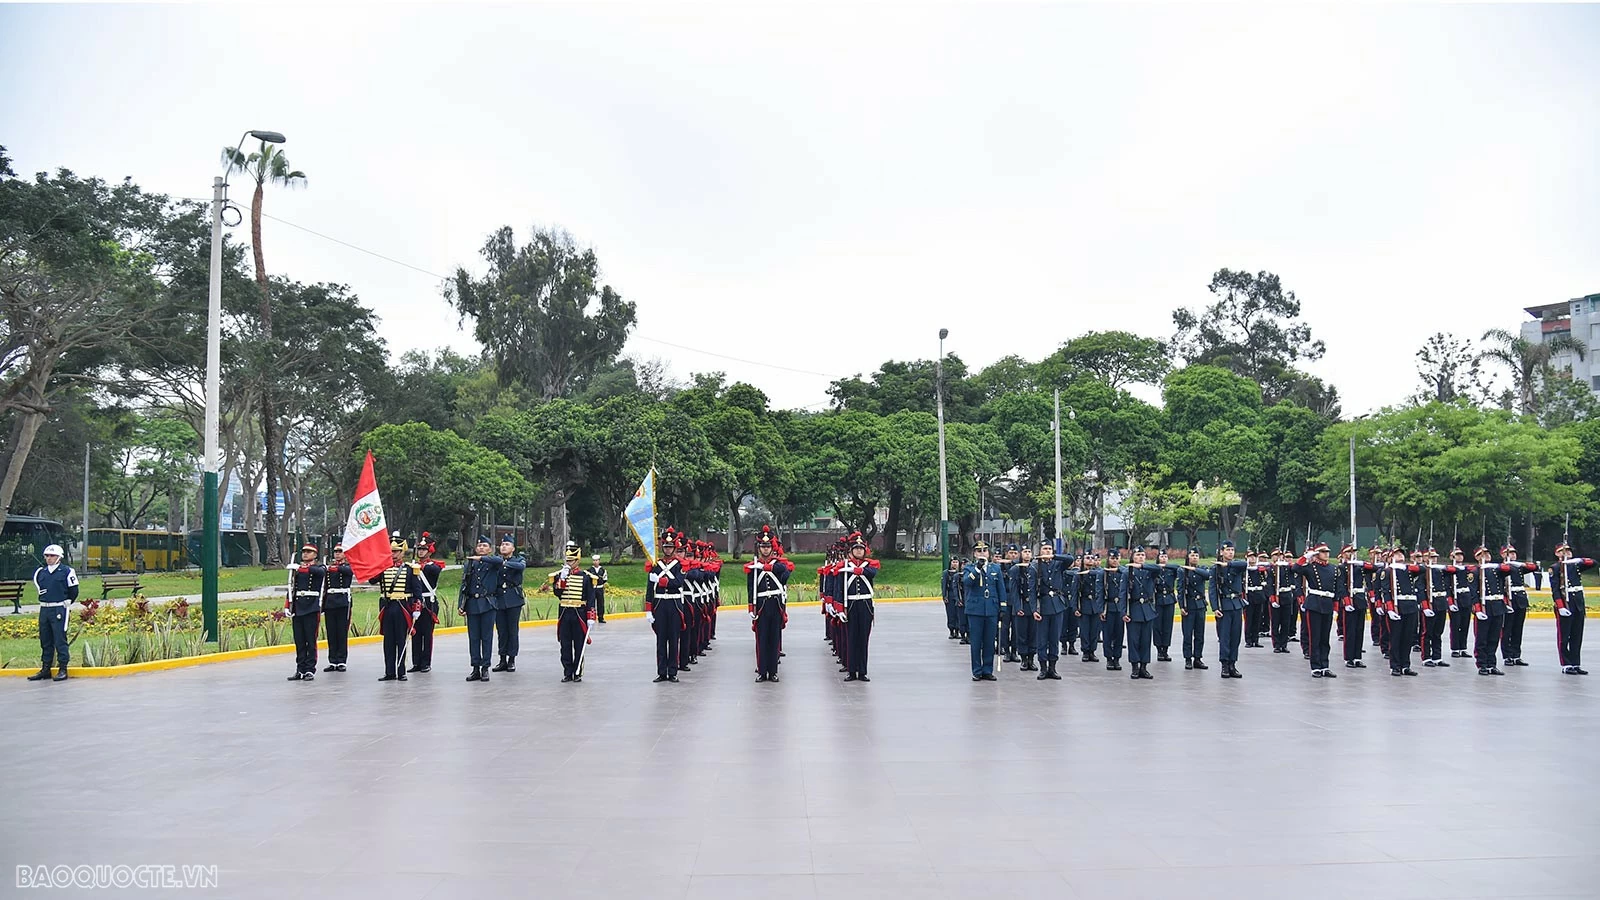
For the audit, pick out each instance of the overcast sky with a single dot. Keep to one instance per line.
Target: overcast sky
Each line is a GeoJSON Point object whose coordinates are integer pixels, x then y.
{"type": "Point", "coordinates": [823, 189]}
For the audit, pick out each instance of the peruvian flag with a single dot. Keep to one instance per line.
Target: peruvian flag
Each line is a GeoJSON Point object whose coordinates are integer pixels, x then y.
{"type": "Point", "coordinates": [366, 535]}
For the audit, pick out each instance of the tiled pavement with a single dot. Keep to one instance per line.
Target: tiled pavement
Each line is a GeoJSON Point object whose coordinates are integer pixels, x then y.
{"type": "Point", "coordinates": [919, 784]}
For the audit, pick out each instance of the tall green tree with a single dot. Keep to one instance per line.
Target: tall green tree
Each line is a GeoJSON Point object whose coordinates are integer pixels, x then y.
{"type": "Point", "coordinates": [897, 386]}
{"type": "Point", "coordinates": [1528, 362]}
{"type": "Point", "coordinates": [1252, 329]}
{"type": "Point", "coordinates": [1118, 358]}
{"type": "Point", "coordinates": [432, 477]}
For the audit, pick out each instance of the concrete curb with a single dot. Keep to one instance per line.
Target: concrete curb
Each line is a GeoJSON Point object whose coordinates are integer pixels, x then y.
{"type": "Point", "coordinates": [185, 662]}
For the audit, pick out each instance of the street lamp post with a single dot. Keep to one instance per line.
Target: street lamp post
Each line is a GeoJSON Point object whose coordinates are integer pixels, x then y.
{"type": "Point", "coordinates": [211, 513]}
{"type": "Point", "coordinates": [944, 490]}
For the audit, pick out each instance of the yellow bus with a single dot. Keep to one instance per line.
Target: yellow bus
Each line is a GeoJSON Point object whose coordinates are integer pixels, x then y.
{"type": "Point", "coordinates": [127, 550]}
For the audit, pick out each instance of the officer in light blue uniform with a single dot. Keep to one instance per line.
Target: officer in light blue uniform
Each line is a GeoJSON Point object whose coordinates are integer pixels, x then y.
{"type": "Point", "coordinates": [1227, 599]}
{"type": "Point", "coordinates": [983, 585]}
{"type": "Point", "coordinates": [57, 585]}
{"type": "Point", "coordinates": [1139, 585]}
{"type": "Point", "coordinates": [508, 603]}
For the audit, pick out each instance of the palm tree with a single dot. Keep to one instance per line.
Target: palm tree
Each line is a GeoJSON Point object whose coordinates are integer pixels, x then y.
{"type": "Point", "coordinates": [267, 166]}
{"type": "Point", "coordinates": [1528, 361]}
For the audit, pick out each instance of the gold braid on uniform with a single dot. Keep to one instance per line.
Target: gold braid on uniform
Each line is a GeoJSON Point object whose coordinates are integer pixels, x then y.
{"type": "Point", "coordinates": [570, 596]}
{"type": "Point", "coordinates": [393, 585]}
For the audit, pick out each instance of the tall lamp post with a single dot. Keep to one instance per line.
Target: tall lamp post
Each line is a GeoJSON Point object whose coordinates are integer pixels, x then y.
{"type": "Point", "coordinates": [211, 513]}
{"type": "Point", "coordinates": [944, 490]}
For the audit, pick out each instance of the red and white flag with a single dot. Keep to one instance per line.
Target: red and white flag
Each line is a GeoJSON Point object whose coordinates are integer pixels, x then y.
{"type": "Point", "coordinates": [366, 535]}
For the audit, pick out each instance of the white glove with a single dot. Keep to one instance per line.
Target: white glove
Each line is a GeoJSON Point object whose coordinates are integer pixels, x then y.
{"type": "Point", "coordinates": [650, 617]}
{"type": "Point", "coordinates": [1394, 615]}
{"type": "Point", "coordinates": [843, 617]}
{"type": "Point", "coordinates": [1455, 608]}
{"type": "Point", "coordinates": [757, 566]}
{"type": "Point", "coordinates": [1349, 608]}
{"type": "Point", "coordinates": [1428, 613]}
{"type": "Point", "coordinates": [1566, 612]}
{"type": "Point", "coordinates": [1274, 604]}
{"type": "Point", "coordinates": [1482, 616]}
{"type": "Point", "coordinates": [416, 615]}
{"type": "Point", "coordinates": [291, 567]}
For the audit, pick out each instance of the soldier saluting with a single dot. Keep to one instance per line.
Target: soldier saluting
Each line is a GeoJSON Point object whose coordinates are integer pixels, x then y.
{"type": "Point", "coordinates": [304, 602]}
{"type": "Point", "coordinates": [508, 604]}
{"type": "Point", "coordinates": [1227, 599]}
{"type": "Point", "coordinates": [766, 583]}
{"type": "Point", "coordinates": [1322, 589]}
{"type": "Point", "coordinates": [983, 584]}
{"type": "Point", "coordinates": [425, 617]}
{"type": "Point", "coordinates": [1566, 588]}
{"type": "Point", "coordinates": [1517, 595]}
{"type": "Point", "coordinates": [1051, 594]}
{"type": "Point", "coordinates": [574, 590]}
{"type": "Point", "coordinates": [480, 586]}
{"type": "Point", "coordinates": [336, 609]}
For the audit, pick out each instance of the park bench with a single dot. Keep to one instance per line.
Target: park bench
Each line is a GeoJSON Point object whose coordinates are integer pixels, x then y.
{"type": "Point", "coordinates": [11, 592]}
{"type": "Point", "coordinates": [118, 582]}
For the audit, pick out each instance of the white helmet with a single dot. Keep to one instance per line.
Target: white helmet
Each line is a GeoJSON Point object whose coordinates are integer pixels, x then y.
{"type": "Point", "coordinates": [53, 550]}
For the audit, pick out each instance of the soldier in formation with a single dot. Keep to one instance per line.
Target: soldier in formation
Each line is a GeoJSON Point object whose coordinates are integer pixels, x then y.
{"type": "Point", "coordinates": [304, 604]}
{"type": "Point", "coordinates": [336, 610]}
{"type": "Point", "coordinates": [574, 588]}
{"type": "Point", "coordinates": [766, 584]}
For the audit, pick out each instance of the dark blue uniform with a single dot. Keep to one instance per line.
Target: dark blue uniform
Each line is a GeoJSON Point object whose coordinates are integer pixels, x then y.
{"type": "Point", "coordinates": [1139, 585]}
{"type": "Point", "coordinates": [950, 592]}
{"type": "Point", "coordinates": [305, 600]}
{"type": "Point", "coordinates": [480, 589]}
{"type": "Point", "coordinates": [427, 616]}
{"type": "Point", "coordinates": [1053, 585]}
{"type": "Point", "coordinates": [1191, 590]}
{"type": "Point", "coordinates": [1566, 588]}
{"type": "Point", "coordinates": [1321, 581]}
{"type": "Point", "coordinates": [1517, 593]}
{"type": "Point", "coordinates": [983, 587]}
{"type": "Point", "coordinates": [1023, 606]}
{"type": "Point", "coordinates": [1091, 603]}
{"type": "Point", "coordinates": [58, 588]}
{"type": "Point", "coordinates": [1489, 608]}
{"type": "Point", "coordinates": [1166, 604]}
{"type": "Point", "coordinates": [399, 588]}
{"type": "Point", "coordinates": [1400, 586]}
{"type": "Point", "coordinates": [767, 589]}
{"type": "Point", "coordinates": [1460, 582]}
{"type": "Point", "coordinates": [336, 614]}
{"type": "Point", "coordinates": [1005, 635]}
{"type": "Point", "coordinates": [1355, 579]}
{"type": "Point", "coordinates": [1227, 601]}
{"type": "Point", "coordinates": [1115, 607]}
{"type": "Point", "coordinates": [508, 603]}
{"type": "Point", "coordinates": [1256, 619]}
{"type": "Point", "coordinates": [663, 602]}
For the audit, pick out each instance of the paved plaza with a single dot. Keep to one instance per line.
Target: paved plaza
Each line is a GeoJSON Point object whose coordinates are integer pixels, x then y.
{"type": "Point", "coordinates": [921, 784]}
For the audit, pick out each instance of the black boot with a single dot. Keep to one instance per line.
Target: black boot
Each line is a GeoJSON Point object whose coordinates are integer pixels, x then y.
{"type": "Point", "coordinates": [511, 664]}
{"type": "Point", "coordinates": [477, 674]}
{"type": "Point", "coordinates": [1163, 657]}
{"type": "Point", "coordinates": [501, 665]}
{"type": "Point", "coordinates": [41, 675]}
{"type": "Point", "coordinates": [1044, 670]}
{"type": "Point", "coordinates": [1054, 675]}
{"type": "Point", "coordinates": [1072, 649]}
{"type": "Point", "coordinates": [1200, 663]}
{"type": "Point", "coordinates": [1188, 663]}
{"type": "Point", "coordinates": [1027, 663]}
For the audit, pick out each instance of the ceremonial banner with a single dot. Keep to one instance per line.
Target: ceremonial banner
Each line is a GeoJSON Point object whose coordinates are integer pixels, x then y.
{"type": "Point", "coordinates": [641, 515]}
{"type": "Point", "coordinates": [366, 535]}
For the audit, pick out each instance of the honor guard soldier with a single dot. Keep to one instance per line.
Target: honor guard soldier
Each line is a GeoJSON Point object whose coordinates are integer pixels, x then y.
{"type": "Point", "coordinates": [1005, 637]}
{"type": "Point", "coordinates": [1566, 588]}
{"type": "Point", "coordinates": [1489, 608]}
{"type": "Point", "coordinates": [57, 585]}
{"type": "Point", "coordinates": [1400, 586]}
{"type": "Point", "coordinates": [336, 609]}
{"type": "Point", "coordinates": [859, 573]}
{"type": "Point", "coordinates": [1091, 604]}
{"type": "Point", "coordinates": [1256, 619]}
{"type": "Point", "coordinates": [983, 584]}
{"type": "Point", "coordinates": [398, 586]}
{"type": "Point", "coordinates": [1321, 581]}
{"type": "Point", "coordinates": [574, 590]}
{"type": "Point", "coordinates": [1051, 593]}
{"type": "Point", "coordinates": [1190, 584]}
{"type": "Point", "coordinates": [426, 615]}
{"type": "Point", "coordinates": [1023, 608]}
{"type": "Point", "coordinates": [1166, 601]}
{"type": "Point", "coordinates": [1139, 585]}
{"type": "Point", "coordinates": [304, 602]}
{"type": "Point", "coordinates": [1354, 580]}
{"type": "Point", "coordinates": [508, 604]}
{"type": "Point", "coordinates": [480, 589]}
{"type": "Point", "coordinates": [766, 584]}
{"type": "Point", "coordinates": [1517, 593]}
{"type": "Point", "coordinates": [1280, 589]}
{"type": "Point", "coordinates": [1115, 610]}
{"type": "Point", "coordinates": [1072, 571]}
{"type": "Point", "coordinates": [597, 574]}
{"type": "Point", "coordinates": [950, 593]}
{"type": "Point", "coordinates": [1380, 619]}
{"type": "Point", "coordinates": [1461, 579]}
{"type": "Point", "coordinates": [663, 604]}
{"type": "Point", "coordinates": [1227, 600]}
{"type": "Point", "coordinates": [1436, 586]}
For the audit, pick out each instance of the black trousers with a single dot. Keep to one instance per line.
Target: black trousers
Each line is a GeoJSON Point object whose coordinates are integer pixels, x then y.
{"type": "Point", "coordinates": [1047, 636]}
{"type": "Point", "coordinates": [422, 637]}
{"type": "Point", "coordinates": [508, 623]}
{"type": "Point", "coordinates": [1194, 634]}
{"type": "Point", "coordinates": [338, 631]}
{"type": "Point", "coordinates": [1511, 637]}
{"type": "Point", "coordinates": [1283, 625]}
{"type": "Point", "coordinates": [1022, 633]}
{"type": "Point", "coordinates": [480, 636]}
{"type": "Point", "coordinates": [1355, 633]}
{"type": "Point", "coordinates": [669, 623]}
{"type": "Point", "coordinates": [53, 636]}
{"type": "Point", "coordinates": [1402, 634]}
{"type": "Point", "coordinates": [1460, 627]}
{"type": "Point", "coordinates": [950, 616]}
{"type": "Point", "coordinates": [1230, 626]}
{"type": "Point", "coordinates": [600, 604]}
{"type": "Point", "coordinates": [1007, 633]}
{"type": "Point", "coordinates": [1139, 637]}
{"type": "Point", "coordinates": [1069, 628]}
{"type": "Point", "coordinates": [859, 635]}
{"type": "Point", "coordinates": [769, 636]}
{"type": "Point", "coordinates": [1163, 626]}
{"type": "Point", "coordinates": [570, 632]}
{"type": "Point", "coordinates": [1255, 621]}
{"type": "Point", "coordinates": [1433, 634]}
{"type": "Point", "coordinates": [1319, 628]}
{"type": "Point", "coordinates": [1487, 640]}
{"type": "Point", "coordinates": [1569, 636]}
{"type": "Point", "coordinates": [394, 620]}
{"type": "Point", "coordinates": [305, 642]}
{"type": "Point", "coordinates": [1111, 633]}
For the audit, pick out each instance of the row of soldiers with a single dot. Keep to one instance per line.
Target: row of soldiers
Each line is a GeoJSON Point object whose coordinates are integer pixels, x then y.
{"type": "Point", "coordinates": [682, 593]}
{"type": "Point", "coordinates": [490, 601]}
{"type": "Point", "coordinates": [846, 585]}
{"type": "Point", "coordinates": [1024, 608]}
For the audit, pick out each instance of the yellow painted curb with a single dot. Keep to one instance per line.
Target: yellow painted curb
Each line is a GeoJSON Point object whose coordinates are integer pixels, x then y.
{"type": "Point", "coordinates": [160, 665]}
